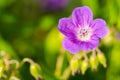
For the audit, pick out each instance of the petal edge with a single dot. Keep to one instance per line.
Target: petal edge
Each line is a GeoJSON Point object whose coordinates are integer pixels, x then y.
{"type": "Point", "coordinates": [66, 26]}
{"type": "Point", "coordinates": [70, 46]}
{"type": "Point", "coordinates": [82, 16]}
{"type": "Point", "coordinates": [99, 28]}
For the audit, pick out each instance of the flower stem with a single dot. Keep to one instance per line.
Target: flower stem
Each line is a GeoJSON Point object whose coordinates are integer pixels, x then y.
{"type": "Point", "coordinates": [59, 63]}
{"type": "Point", "coordinates": [26, 60]}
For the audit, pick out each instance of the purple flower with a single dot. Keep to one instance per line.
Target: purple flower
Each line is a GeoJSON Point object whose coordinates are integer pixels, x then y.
{"type": "Point", "coordinates": [118, 36]}
{"type": "Point", "coordinates": [53, 5]}
{"type": "Point", "coordinates": [81, 31]}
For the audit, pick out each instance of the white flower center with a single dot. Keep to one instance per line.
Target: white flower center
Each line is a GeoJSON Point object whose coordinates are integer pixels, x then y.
{"type": "Point", "coordinates": [84, 33]}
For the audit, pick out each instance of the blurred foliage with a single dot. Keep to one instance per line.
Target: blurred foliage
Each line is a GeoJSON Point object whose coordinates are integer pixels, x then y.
{"type": "Point", "coordinates": [28, 29]}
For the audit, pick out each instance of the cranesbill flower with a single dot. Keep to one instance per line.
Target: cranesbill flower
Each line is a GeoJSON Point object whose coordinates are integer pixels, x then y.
{"type": "Point", "coordinates": [53, 5]}
{"type": "Point", "coordinates": [81, 31]}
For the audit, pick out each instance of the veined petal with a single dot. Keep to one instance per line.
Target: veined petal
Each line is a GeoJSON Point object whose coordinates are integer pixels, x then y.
{"type": "Point", "coordinates": [82, 16]}
{"type": "Point", "coordinates": [99, 28]}
{"type": "Point", "coordinates": [66, 26]}
{"type": "Point", "coordinates": [90, 45]}
{"type": "Point", "coordinates": [70, 46]}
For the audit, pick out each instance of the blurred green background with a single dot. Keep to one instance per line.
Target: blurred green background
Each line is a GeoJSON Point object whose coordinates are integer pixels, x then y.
{"type": "Point", "coordinates": [28, 28]}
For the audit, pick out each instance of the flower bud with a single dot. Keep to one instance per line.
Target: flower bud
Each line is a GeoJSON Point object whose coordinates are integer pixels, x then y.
{"type": "Point", "coordinates": [93, 62]}
{"type": "Point", "coordinates": [74, 65]}
{"type": "Point", "coordinates": [102, 59]}
{"type": "Point", "coordinates": [84, 66]}
{"type": "Point", "coordinates": [1, 68]}
{"type": "Point", "coordinates": [36, 71]}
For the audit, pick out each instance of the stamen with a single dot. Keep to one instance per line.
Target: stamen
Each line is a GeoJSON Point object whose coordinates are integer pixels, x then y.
{"type": "Point", "coordinates": [84, 33]}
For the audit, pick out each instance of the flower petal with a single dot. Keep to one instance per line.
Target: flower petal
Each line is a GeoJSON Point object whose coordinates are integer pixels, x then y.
{"type": "Point", "coordinates": [70, 46]}
{"type": "Point", "coordinates": [66, 26]}
{"type": "Point", "coordinates": [99, 28]}
{"type": "Point", "coordinates": [91, 45]}
{"type": "Point", "coordinates": [82, 16]}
